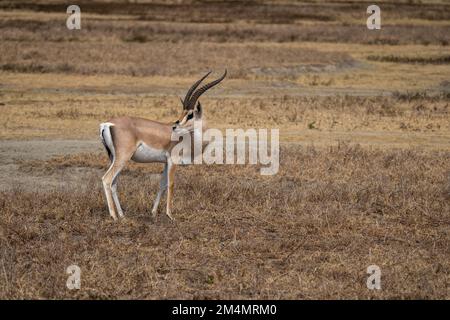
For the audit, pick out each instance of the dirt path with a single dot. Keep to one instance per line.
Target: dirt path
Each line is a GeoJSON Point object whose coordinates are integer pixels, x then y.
{"type": "Point", "coordinates": [12, 152]}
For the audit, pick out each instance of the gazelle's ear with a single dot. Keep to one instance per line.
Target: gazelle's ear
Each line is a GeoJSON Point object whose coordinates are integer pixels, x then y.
{"type": "Point", "coordinates": [198, 111]}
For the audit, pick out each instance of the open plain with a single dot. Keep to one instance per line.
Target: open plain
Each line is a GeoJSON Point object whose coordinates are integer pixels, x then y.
{"type": "Point", "coordinates": [364, 175]}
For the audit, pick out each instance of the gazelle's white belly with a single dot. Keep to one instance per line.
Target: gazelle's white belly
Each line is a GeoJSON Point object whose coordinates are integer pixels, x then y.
{"type": "Point", "coordinates": [145, 153]}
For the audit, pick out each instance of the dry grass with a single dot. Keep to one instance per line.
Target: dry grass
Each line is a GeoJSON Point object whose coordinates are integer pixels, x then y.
{"type": "Point", "coordinates": [398, 116]}
{"type": "Point", "coordinates": [414, 60]}
{"type": "Point", "coordinates": [220, 21]}
{"type": "Point", "coordinates": [162, 59]}
{"type": "Point", "coordinates": [308, 232]}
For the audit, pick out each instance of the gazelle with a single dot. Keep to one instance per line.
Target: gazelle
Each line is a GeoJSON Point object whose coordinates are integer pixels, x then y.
{"type": "Point", "coordinates": [148, 141]}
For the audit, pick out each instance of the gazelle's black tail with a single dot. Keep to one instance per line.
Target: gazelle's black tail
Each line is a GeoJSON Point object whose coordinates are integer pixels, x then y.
{"type": "Point", "coordinates": [105, 136]}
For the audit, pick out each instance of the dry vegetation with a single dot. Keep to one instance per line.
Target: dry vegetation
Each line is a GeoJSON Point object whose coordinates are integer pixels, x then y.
{"type": "Point", "coordinates": [416, 119]}
{"type": "Point", "coordinates": [415, 60]}
{"type": "Point", "coordinates": [308, 232]}
{"type": "Point", "coordinates": [365, 161]}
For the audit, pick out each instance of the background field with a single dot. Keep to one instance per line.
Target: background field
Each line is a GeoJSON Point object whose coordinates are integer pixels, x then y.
{"type": "Point", "coordinates": [365, 160]}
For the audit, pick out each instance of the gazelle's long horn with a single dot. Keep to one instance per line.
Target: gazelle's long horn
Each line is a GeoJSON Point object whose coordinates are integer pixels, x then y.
{"type": "Point", "coordinates": [191, 90]}
{"type": "Point", "coordinates": [199, 92]}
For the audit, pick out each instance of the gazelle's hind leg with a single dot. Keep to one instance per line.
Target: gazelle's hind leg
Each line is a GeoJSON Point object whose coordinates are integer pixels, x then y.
{"type": "Point", "coordinates": [115, 196]}
{"type": "Point", "coordinates": [161, 191]}
{"type": "Point", "coordinates": [110, 185]}
{"type": "Point", "coordinates": [106, 180]}
{"type": "Point", "coordinates": [120, 154]}
{"type": "Point", "coordinates": [170, 182]}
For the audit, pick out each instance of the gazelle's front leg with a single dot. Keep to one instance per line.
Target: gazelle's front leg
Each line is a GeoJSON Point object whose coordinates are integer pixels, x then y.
{"type": "Point", "coordinates": [170, 181]}
{"type": "Point", "coordinates": [162, 189]}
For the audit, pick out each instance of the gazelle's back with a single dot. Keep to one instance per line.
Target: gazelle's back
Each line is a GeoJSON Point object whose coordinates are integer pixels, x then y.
{"type": "Point", "coordinates": [137, 130]}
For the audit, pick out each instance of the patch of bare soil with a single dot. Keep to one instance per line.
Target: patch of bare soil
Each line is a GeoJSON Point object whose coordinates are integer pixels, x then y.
{"type": "Point", "coordinates": [13, 153]}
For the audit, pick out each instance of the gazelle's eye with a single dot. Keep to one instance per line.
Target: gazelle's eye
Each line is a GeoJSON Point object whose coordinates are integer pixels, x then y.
{"type": "Point", "coordinates": [190, 116]}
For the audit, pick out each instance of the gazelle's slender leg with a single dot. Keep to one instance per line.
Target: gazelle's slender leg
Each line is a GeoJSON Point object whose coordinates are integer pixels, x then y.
{"type": "Point", "coordinates": [109, 181]}
{"type": "Point", "coordinates": [106, 180]}
{"type": "Point", "coordinates": [162, 189]}
{"type": "Point", "coordinates": [115, 196]}
{"type": "Point", "coordinates": [170, 181]}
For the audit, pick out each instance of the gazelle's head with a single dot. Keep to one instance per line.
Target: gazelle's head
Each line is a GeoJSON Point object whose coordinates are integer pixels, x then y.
{"type": "Point", "coordinates": [192, 109]}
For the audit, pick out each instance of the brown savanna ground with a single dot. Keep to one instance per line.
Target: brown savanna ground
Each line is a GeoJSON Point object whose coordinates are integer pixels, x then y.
{"type": "Point", "coordinates": [365, 158]}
